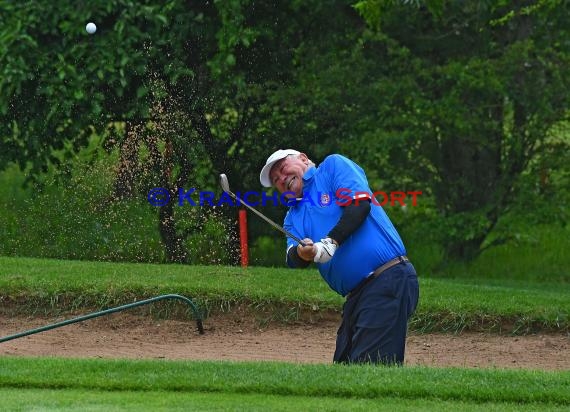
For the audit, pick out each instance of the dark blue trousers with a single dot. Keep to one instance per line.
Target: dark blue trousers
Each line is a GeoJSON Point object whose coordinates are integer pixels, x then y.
{"type": "Point", "coordinates": [375, 318]}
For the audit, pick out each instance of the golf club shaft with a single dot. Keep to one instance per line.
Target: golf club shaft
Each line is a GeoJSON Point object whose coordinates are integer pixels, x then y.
{"type": "Point", "coordinates": [271, 222]}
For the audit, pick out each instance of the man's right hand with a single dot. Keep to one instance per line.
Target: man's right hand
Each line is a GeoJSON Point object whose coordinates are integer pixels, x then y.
{"type": "Point", "coordinates": [306, 252]}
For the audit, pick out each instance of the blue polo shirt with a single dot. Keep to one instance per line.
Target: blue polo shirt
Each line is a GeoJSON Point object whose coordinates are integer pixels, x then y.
{"type": "Point", "coordinates": [336, 181]}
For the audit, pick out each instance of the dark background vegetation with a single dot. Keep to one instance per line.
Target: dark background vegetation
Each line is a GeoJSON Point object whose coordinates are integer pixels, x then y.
{"type": "Point", "coordinates": [464, 101]}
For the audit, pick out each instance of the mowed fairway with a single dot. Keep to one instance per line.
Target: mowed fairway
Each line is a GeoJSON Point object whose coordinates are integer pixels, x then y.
{"type": "Point", "coordinates": [226, 385]}
{"type": "Point", "coordinates": [36, 286]}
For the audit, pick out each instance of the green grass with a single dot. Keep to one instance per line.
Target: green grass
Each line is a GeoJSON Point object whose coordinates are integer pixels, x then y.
{"type": "Point", "coordinates": [540, 255]}
{"type": "Point", "coordinates": [45, 280]}
{"type": "Point", "coordinates": [104, 401]}
{"type": "Point", "coordinates": [517, 307]}
{"type": "Point", "coordinates": [285, 386]}
{"type": "Point", "coordinates": [30, 285]}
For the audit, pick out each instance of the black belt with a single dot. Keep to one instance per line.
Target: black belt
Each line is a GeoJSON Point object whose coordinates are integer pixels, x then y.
{"type": "Point", "coordinates": [378, 272]}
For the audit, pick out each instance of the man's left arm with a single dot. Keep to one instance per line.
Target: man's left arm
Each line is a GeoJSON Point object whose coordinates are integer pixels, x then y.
{"type": "Point", "coordinates": [353, 215]}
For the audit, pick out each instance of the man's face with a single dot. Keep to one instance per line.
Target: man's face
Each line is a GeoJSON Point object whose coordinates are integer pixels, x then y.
{"type": "Point", "coordinates": [287, 174]}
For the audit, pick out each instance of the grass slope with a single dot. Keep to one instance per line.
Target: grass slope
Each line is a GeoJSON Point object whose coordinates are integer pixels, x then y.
{"type": "Point", "coordinates": [29, 285]}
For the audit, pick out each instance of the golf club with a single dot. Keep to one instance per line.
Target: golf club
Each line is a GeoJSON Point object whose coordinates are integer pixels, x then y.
{"type": "Point", "coordinates": [226, 188]}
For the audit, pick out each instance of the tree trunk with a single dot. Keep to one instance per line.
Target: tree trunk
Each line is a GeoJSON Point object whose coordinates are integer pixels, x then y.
{"type": "Point", "coordinates": [465, 250]}
{"type": "Point", "coordinates": [174, 243]}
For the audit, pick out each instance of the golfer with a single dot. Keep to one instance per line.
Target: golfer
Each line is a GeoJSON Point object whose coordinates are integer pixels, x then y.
{"type": "Point", "coordinates": [356, 248]}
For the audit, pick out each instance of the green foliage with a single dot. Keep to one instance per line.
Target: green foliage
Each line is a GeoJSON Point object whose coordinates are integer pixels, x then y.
{"type": "Point", "coordinates": [211, 243]}
{"type": "Point", "coordinates": [462, 100]}
{"type": "Point", "coordinates": [538, 254]}
{"type": "Point", "coordinates": [76, 219]}
{"type": "Point", "coordinates": [469, 104]}
{"type": "Point", "coordinates": [267, 251]}
{"type": "Point", "coordinates": [73, 215]}
{"type": "Point", "coordinates": [63, 81]}
{"type": "Point", "coordinates": [80, 220]}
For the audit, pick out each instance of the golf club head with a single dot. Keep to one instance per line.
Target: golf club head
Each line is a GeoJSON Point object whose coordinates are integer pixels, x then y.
{"type": "Point", "coordinates": [224, 183]}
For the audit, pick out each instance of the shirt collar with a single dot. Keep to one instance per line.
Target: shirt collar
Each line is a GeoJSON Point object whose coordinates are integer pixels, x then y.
{"type": "Point", "coordinates": [309, 173]}
{"type": "Point", "coordinates": [307, 177]}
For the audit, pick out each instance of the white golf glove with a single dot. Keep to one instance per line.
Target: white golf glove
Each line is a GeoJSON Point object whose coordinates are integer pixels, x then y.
{"type": "Point", "coordinates": [325, 250]}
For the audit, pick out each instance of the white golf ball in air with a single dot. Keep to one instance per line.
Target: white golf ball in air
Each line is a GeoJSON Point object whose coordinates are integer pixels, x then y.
{"type": "Point", "coordinates": [91, 28]}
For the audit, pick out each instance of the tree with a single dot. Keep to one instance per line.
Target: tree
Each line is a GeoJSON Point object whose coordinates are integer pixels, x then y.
{"type": "Point", "coordinates": [455, 98]}
{"type": "Point", "coordinates": [479, 87]}
{"type": "Point", "coordinates": [159, 75]}
{"type": "Point", "coordinates": [185, 90]}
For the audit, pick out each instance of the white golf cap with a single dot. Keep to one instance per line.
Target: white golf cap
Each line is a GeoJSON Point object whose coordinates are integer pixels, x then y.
{"type": "Point", "coordinates": [271, 160]}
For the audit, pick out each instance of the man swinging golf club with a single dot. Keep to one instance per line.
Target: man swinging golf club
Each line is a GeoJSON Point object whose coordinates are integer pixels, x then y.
{"type": "Point", "coordinates": [357, 250]}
